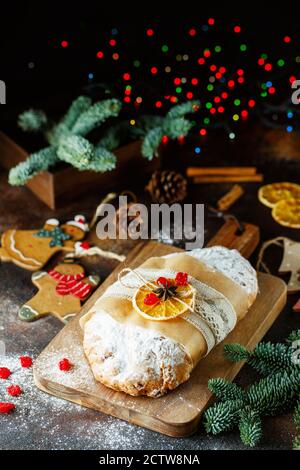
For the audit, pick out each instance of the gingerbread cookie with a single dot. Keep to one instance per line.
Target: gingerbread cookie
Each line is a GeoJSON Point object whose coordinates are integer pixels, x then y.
{"type": "Point", "coordinates": [61, 292]}
{"type": "Point", "coordinates": [32, 249]}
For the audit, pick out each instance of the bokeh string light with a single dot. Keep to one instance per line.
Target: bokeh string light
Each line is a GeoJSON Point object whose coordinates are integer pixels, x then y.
{"type": "Point", "coordinates": [230, 76]}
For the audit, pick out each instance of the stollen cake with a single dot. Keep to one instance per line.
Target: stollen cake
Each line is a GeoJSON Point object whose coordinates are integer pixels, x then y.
{"type": "Point", "coordinates": [138, 356]}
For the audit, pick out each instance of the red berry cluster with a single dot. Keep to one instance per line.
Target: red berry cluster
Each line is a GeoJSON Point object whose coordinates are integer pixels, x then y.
{"type": "Point", "coordinates": [65, 365]}
{"type": "Point", "coordinates": [26, 361]}
{"type": "Point", "coordinates": [4, 373]}
{"type": "Point", "coordinates": [6, 407]}
{"type": "Point", "coordinates": [181, 279]}
{"type": "Point", "coordinates": [12, 390]}
{"type": "Point", "coordinates": [151, 299]}
{"type": "Point", "coordinates": [163, 281]}
{"type": "Point", "coordinates": [15, 390]}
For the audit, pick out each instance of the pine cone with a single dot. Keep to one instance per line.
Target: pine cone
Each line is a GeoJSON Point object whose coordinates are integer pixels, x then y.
{"type": "Point", "coordinates": [167, 187]}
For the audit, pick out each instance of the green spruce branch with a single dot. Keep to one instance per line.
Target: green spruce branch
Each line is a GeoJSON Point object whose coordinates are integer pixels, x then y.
{"type": "Point", "coordinates": [297, 422]}
{"type": "Point", "coordinates": [173, 125]}
{"type": "Point", "coordinates": [278, 390]}
{"type": "Point", "coordinates": [67, 139]}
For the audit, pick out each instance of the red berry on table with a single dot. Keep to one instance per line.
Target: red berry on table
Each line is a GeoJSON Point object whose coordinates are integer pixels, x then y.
{"type": "Point", "coordinates": [151, 299]}
{"type": "Point", "coordinates": [181, 279]}
{"type": "Point", "coordinates": [4, 373]}
{"type": "Point", "coordinates": [162, 281]}
{"type": "Point", "coordinates": [14, 390]}
{"type": "Point", "coordinates": [26, 361]}
{"type": "Point", "coordinates": [65, 365]}
{"type": "Point", "coordinates": [6, 407]}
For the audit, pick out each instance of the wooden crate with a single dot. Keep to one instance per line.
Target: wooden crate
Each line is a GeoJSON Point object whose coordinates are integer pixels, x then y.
{"type": "Point", "coordinates": [67, 183]}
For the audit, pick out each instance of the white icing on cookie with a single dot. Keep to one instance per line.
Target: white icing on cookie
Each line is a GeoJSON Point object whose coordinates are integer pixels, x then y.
{"type": "Point", "coordinates": [21, 255]}
{"type": "Point", "coordinates": [53, 222]}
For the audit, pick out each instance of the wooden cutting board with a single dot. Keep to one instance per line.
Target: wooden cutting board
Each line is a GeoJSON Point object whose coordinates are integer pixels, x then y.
{"type": "Point", "coordinates": [178, 413]}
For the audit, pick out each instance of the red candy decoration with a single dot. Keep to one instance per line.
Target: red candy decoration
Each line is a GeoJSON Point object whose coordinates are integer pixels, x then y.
{"type": "Point", "coordinates": [65, 365]}
{"type": "Point", "coordinates": [26, 361]}
{"type": "Point", "coordinates": [85, 245]}
{"type": "Point", "coordinates": [181, 279]}
{"type": "Point", "coordinates": [6, 407]}
{"type": "Point", "coordinates": [14, 390]}
{"type": "Point", "coordinates": [151, 299]}
{"type": "Point", "coordinates": [163, 281]}
{"type": "Point", "coordinates": [4, 373]}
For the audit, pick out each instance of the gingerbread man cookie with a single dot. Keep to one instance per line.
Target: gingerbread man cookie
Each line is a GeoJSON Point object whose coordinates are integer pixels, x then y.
{"type": "Point", "coordinates": [31, 249]}
{"type": "Point", "coordinates": [61, 292]}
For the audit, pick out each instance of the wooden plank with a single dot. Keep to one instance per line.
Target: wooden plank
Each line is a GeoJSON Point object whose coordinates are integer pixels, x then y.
{"type": "Point", "coordinates": [228, 236]}
{"type": "Point", "coordinates": [179, 412]}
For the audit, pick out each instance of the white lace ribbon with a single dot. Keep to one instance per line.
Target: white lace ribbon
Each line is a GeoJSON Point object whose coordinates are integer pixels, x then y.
{"type": "Point", "coordinates": [213, 314]}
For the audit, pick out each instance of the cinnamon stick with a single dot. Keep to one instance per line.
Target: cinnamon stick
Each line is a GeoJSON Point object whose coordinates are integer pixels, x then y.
{"type": "Point", "coordinates": [229, 179]}
{"type": "Point", "coordinates": [229, 170]}
{"type": "Point", "coordinates": [226, 201]}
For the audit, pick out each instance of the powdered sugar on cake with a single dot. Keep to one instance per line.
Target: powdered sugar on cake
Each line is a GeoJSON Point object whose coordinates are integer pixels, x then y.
{"type": "Point", "coordinates": [131, 355]}
{"type": "Point", "coordinates": [230, 263]}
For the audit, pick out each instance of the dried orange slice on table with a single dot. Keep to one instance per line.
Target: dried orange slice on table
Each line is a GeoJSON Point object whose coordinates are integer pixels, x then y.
{"type": "Point", "coordinates": [165, 298]}
{"type": "Point", "coordinates": [287, 213]}
{"type": "Point", "coordinates": [271, 194]}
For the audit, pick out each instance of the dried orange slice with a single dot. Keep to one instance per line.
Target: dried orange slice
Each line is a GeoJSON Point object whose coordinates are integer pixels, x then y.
{"type": "Point", "coordinates": [270, 194]}
{"type": "Point", "coordinates": [161, 309]}
{"type": "Point", "coordinates": [287, 213]}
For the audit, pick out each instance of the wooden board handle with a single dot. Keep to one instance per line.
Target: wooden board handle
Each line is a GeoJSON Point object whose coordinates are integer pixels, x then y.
{"type": "Point", "coordinates": [228, 236]}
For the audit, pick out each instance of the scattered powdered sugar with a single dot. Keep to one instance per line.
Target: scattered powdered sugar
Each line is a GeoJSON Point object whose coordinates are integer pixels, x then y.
{"type": "Point", "coordinates": [41, 421]}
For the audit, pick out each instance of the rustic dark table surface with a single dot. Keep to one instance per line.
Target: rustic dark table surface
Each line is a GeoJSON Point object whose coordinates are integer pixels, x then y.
{"type": "Point", "coordinates": [44, 422]}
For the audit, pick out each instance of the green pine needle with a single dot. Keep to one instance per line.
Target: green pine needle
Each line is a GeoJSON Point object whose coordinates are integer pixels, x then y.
{"type": "Point", "coordinates": [35, 164]}
{"type": "Point", "coordinates": [182, 109]}
{"type": "Point", "coordinates": [96, 115]}
{"type": "Point", "coordinates": [297, 416]}
{"type": "Point", "coordinates": [294, 336]}
{"type": "Point", "coordinates": [151, 143]}
{"type": "Point", "coordinates": [296, 443]}
{"type": "Point", "coordinates": [67, 142]}
{"type": "Point", "coordinates": [236, 352]}
{"type": "Point", "coordinates": [79, 106]}
{"type": "Point", "coordinates": [279, 390]}
{"type": "Point", "coordinates": [268, 358]}
{"type": "Point", "coordinates": [57, 134]}
{"type": "Point", "coordinates": [103, 160]}
{"type": "Point", "coordinates": [175, 128]}
{"type": "Point", "coordinates": [222, 416]}
{"type": "Point", "coordinates": [250, 427]}
{"type": "Point", "coordinates": [173, 125]}
{"type": "Point", "coordinates": [225, 390]}
{"type": "Point", "coordinates": [77, 151]}
{"type": "Point", "coordinates": [32, 120]}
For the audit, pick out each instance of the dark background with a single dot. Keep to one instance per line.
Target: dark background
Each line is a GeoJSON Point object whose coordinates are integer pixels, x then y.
{"type": "Point", "coordinates": [31, 31]}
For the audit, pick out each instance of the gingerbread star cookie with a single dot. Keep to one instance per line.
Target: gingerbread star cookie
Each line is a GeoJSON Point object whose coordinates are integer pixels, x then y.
{"type": "Point", "coordinates": [62, 291]}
